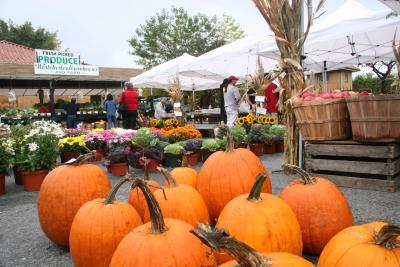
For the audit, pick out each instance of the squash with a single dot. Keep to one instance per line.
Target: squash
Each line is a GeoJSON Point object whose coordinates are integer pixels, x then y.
{"type": "Point", "coordinates": [180, 201]}
{"type": "Point", "coordinates": [160, 242]}
{"type": "Point", "coordinates": [228, 174]}
{"type": "Point", "coordinates": [262, 221]}
{"type": "Point", "coordinates": [246, 256]}
{"type": "Point", "coordinates": [320, 207]}
{"type": "Point", "coordinates": [136, 197]}
{"type": "Point", "coordinates": [372, 244]}
{"type": "Point", "coordinates": [98, 227]}
{"type": "Point", "coordinates": [64, 190]}
{"type": "Point", "coordinates": [185, 174]}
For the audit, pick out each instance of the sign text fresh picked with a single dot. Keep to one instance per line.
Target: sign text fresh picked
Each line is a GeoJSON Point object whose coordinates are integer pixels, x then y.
{"type": "Point", "coordinates": [57, 57]}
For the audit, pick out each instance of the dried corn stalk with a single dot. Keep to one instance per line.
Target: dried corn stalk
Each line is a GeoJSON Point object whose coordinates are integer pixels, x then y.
{"type": "Point", "coordinates": [258, 80]}
{"type": "Point", "coordinates": [175, 90]}
{"type": "Point", "coordinates": [396, 51]}
{"type": "Point", "coordinates": [284, 18]}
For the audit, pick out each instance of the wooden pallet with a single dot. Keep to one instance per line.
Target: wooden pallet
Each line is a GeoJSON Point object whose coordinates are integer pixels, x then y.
{"type": "Point", "coordinates": [372, 166]}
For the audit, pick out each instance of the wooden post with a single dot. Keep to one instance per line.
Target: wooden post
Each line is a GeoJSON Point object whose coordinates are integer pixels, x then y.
{"type": "Point", "coordinates": [52, 98]}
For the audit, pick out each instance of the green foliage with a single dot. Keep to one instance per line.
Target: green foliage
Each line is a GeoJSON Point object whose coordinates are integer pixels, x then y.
{"type": "Point", "coordinates": [371, 83]}
{"type": "Point", "coordinates": [170, 34]}
{"type": "Point", "coordinates": [238, 134]}
{"type": "Point", "coordinates": [6, 154]}
{"type": "Point", "coordinates": [210, 144]}
{"type": "Point", "coordinates": [278, 131]}
{"type": "Point", "coordinates": [222, 143]}
{"type": "Point", "coordinates": [26, 34]}
{"type": "Point", "coordinates": [174, 149]}
{"type": "Point", "coordinates": [259, 134]}
{"type": "Point", "coordinates": [144, 138]}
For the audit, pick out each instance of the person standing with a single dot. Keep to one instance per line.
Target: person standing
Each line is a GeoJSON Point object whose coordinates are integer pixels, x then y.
{"type": "Point", "coordinates": [72, 111]}
{"type": "Point", "coordinates": [129, 98]}
{"type": "Point", "coordinates": [251, 97]}
{"type": "Point", "coordinates": [231, 101]}
{"type": "Point", "coordinates": [159, 112]}
{"type": "Point", "coordinates": [223, 88]}
{"type": "Point", "coordinates": [111, 108]}
{"type": "Point", "coordinates": [271, 98]}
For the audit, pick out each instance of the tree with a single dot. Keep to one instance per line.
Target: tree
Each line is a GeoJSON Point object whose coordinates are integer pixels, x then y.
{"type": "Point", "coordinates": [373, 84]}
{"type": "Point", "coordinates": [26, 34]}
{"type": "Point", "coordinates": [169, 34]}
{"type": "Point", "coordinates": [382, 70]}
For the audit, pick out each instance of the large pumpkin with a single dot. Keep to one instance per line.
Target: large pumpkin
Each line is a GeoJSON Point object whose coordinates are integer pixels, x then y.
{"type": "Point", "coordinates": [161, 242]}
{"type": "Point", "coordinates": [372, 244]}
{"type": "Point", "coordinates": [262, 221]}
{"type": "Point", "coordinates": [98, 227]}
{"type": "Point", "coordinates": [220, 240]}
{"type": "Point", "coordinates": [228, 174]}
{"type": "Point", "coordinates": [136, 197]}
{"type": "Point", "coordinates": [320, 207]}
{"type": "Point", "coordinates": [185, 174]}
{"type": "Point", "coordinates": [64, 190]}
{"type": "Point", "coordinates": [180, 201]}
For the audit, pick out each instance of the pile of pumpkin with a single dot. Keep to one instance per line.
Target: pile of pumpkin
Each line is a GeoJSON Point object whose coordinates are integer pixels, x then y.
{"type": "Point", "coordinates": [169, 226]}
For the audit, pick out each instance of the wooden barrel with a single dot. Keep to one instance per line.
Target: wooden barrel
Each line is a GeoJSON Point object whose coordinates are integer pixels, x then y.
{"type": "Point", "coordinates": [323, 120]}
{"type": "Point", "coordinates": [375, 118]}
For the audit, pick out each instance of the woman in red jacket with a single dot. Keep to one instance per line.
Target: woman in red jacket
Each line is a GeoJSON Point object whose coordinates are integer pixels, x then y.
{"type": "Point", "coordinates": [129, 97]}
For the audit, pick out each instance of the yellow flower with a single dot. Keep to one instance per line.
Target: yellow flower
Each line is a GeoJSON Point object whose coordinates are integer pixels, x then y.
{"type": "Point", "coordinates": [273, 120]}
{"type": "Point", "coordinates": [240, 121]}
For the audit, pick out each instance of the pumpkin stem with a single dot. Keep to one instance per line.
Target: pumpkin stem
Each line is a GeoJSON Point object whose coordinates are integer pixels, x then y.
{"type": "Point", "coordinates": [111, 196]}
{"type": "Point", "coordinates": [157, 220]}
{"type": "Point", "coordinates": [305, 177]}
{"type": "Point", "coordinates": [220, 240]}
{"type": "Point", "coordinates": [230, 145]}
{"type": "Point", "coordinates": [255, 192]}
{"type": "Point", "coordinates": [146, 170]}
{"type": "Point", "coordinates": [387, 237]}
{"type": "Point", "coordinates": [168, 177]}
{"type": "Point", "coordinates": [81, 159]}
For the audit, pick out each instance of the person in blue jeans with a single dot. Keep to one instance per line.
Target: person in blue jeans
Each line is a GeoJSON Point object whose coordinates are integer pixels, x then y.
{"type": "Point", "coordinates": [72, 110]}
{"type": "Point", "coordinates": [110, 107]}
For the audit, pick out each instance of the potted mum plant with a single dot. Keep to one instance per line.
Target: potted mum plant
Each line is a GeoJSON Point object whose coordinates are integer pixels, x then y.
{"type": "Point", "coordinates": [257, 137]}
{"type": "Point", "coordinates": [71, 147]}
{"type": "Point", "coordinates": [278, 131]}
{"type": "Point", "coordinates": [269, 146]}
{"type": "Point", "coordinates": [116, 161]}
{"type": "Point", "coordinates": [38, 154]}
{"type": "Point", "coordinates": [193, 151]}
{"type": "Point", "coordinates": [95, 141]}
{"type": "Point", "coordinates": [239, 136]}
{"type": "Point", "coordinates": [18, 132]}
{"type": "Point", "coordinates": [209, 146]}
{"type": "Point", "coordinates": [173, 155]}
{"type": "Point", "coordinates": [6, 158]}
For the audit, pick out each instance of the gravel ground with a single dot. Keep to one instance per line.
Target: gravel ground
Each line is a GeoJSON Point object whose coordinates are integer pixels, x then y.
{"type": "Point", "coordinates": [22, 242]}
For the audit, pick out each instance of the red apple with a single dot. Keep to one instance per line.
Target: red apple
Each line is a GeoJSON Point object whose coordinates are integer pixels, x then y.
{"type": "Point", "coordinates": [326, 95]}
{"type": "Point", "coordinates": [308, 98]}
{"type": "Point", "coordinates": [363, 93]}
{"type": "Point", "coordinates": [297, 101]}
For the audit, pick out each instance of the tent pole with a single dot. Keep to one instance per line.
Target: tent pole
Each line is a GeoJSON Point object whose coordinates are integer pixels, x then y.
{"type": "Point", "coordinates": [151, 91]}
{"type": "Point", "coordinates": [324, 79]}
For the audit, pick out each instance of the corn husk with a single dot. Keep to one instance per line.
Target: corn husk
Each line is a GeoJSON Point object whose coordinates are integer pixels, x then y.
{"type": "Point", "coordinates": [175, 90]}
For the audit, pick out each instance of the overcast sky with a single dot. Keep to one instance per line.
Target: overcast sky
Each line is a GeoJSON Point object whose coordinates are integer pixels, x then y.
{"type": "Point", "coordinates": [99, 29]}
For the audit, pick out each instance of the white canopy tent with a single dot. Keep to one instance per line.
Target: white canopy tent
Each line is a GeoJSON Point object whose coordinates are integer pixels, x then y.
{"type": "Point", "coordinates": [348, 41]}
{"type": "Point", "coordinates": [161, 76]}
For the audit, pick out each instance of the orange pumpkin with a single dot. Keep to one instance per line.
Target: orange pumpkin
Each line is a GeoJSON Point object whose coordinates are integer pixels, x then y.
{"type": "Point", "coordinates": [161, 242]}
{"type": "Point", "coordinates": [320, 207]}
{"type": "Point", "coordinates": [262, 221]}
{"type": "Point", "coordinates": [185, 174]}
{"type": "Point", "coordinates": [64, 190]}
{"type": "Point", "coordinates": [220, 240]}
{"type": "Point", "coordinates": [181, 201]}
{"type": "Point", "coordinates": [372, 244]}
{"type": "Point", "coordinates": [228, 174]}
{"type": "Point", "coordinates": [136, 197]}
{"type": "Point", "coordinates": [98, 227]}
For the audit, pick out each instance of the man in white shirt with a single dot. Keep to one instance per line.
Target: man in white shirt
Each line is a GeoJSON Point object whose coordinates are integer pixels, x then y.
{"type": "Point", "coordinates": [159, 112]}
{"type": "Point", "coordinates": [231, 100]}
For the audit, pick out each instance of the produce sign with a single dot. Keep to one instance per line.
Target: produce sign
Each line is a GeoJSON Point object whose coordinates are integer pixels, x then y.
{"type": "Point", "coordinates": [62, 63]}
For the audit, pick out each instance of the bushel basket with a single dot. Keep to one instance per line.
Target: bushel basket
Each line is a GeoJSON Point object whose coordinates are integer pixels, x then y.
{"type": "Point", "coordinates": [323, 120]}
{"type": "Point", "coordinates": [375, 117]}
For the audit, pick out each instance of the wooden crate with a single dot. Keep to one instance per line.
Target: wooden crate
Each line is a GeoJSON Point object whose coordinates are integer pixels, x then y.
{"type": "Point", "coordinates": [372, 166]}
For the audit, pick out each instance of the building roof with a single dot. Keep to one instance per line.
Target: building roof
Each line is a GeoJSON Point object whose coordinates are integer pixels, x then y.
{"type": "Point", "coordinates": [12, 53]}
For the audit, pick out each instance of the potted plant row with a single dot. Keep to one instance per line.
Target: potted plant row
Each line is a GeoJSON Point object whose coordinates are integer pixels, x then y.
{"type": "Point", "coordinates": [257, 137]}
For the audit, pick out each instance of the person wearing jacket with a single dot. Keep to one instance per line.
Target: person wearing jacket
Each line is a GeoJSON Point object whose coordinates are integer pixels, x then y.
{"type": "Point", "coordinates": [110, 107]}
{"type": "Point", "coordinates": [129, 97]}
{"type": "Point", "coordinates": [231, 101]}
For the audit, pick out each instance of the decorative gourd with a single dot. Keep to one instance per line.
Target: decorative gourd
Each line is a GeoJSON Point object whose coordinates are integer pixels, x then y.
{"type": "Point", "coordinates": [246, 256]}
{"type": "Point", "coordinates": [64, 190]}
{"type": "Point", "coordinates": [136, 197]}
{"type": "Point", "coordinates": [185, 174]}
{"type": "Point", "coordinates": [262, 221]}
{"type": "Point", "coordinates": [161, 242]}
{"type": "Point", "coordinates": [180, 201]}
{"type": "Point", "coordinates": [98, 227]}
{"type": "Point", "coordinates": [373, 244]}
{"type": "Point", "coordinates": [320, 207]}
{"type": "Point", "coordinates": [228, 174]}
